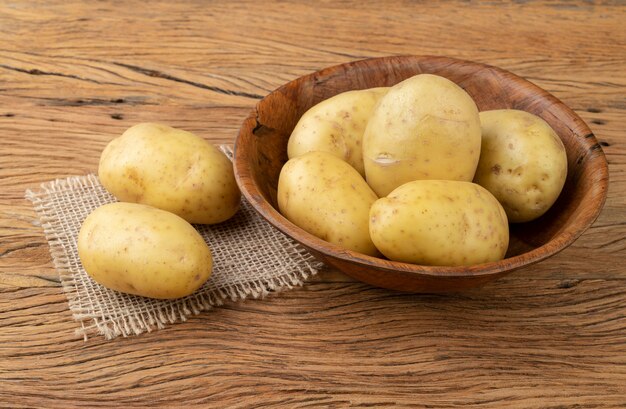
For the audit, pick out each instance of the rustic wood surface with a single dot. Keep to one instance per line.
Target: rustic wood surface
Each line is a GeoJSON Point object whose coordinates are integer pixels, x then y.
{"type": "Point", "coordinates": [75, 74]}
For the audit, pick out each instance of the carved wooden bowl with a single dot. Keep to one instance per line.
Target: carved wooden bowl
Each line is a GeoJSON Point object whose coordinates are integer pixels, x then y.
{"type": "Point", "coordinates": [261, 151]}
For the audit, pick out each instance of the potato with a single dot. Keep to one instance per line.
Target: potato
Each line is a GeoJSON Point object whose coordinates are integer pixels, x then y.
{"type": "Point", "coordinates": [141, 250]}
{"type": "Point", "coordinates": [522, 163]}
{"type": "Point", "coordinates": [336, 126]}
{"type": "Point", "coordinates": [173, 170]}
{"type": "Point", "coordinates": [440, 222]}
{"type": "Point", "coordinates": [425, 127]}
{"type": "Point", "coordinates": [328, 198]}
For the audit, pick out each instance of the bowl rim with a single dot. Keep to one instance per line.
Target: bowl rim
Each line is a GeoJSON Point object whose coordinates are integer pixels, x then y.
{"type": "Point", "coordinates": [562, 240]}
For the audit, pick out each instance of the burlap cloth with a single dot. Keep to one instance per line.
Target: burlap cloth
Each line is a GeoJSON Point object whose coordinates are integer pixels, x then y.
{"type": "Point", "coordinates": [250, 257]}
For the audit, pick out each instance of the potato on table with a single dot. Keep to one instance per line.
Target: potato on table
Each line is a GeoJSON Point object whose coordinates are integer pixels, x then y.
{"type": "Point", "coordinates": [522, 163]}
{"type": "Point", "coordinates": [173, 170]}
{"type": "Point", "coordinates": [328, 198]}
{"type": "Point", "coordinates": [425, 127]}
{"type": "Point", "coordinates": [141, 250]}
{"type": "Point", "coordinates": [441, 223]}
{"type": "Point", "coordinates": [336, 126]}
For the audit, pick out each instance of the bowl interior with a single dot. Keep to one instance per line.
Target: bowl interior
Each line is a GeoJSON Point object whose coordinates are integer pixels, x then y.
{"type": "Point", "coordinates": [261, 148]}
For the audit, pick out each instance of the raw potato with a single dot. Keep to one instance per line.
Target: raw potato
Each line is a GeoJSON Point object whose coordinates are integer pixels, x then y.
{"type": "Point", "coordinates": [328, 198]}
{"type": "Point", "coordinates": [140, 250]}
{"type": "Point", "coordinates": [173, 170]}
{"type": "Point", "coordinates": [336, 126]}
{"type": "Point", "coordinates": [425, 127]}
{"type": "Point", "coordinates": [523, 162]}
{"type": "Point", "coordinates": [440, 222]}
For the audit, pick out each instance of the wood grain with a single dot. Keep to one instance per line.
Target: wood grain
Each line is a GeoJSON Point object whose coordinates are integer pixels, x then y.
{"type": "Point", "coordinates": [73, 75]}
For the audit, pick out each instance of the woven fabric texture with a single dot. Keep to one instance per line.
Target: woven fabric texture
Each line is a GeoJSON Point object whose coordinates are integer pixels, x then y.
{"type": "Point", "coordinates": [250, 257]}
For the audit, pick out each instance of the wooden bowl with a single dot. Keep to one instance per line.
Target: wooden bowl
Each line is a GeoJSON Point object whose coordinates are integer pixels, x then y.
{"type": "Point", "coordinates": [261, 151]}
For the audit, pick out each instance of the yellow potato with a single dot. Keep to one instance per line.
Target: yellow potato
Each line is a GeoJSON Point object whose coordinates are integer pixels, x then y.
{"type": "Point", "coordinates": [140, 250]}
{"type": "Point", "coordinates": [336, 126]}
{"type": "Point", "coordinates": [328, 198]}
{"type": "Point", "coordinates": [425, 127]}
{"type": "Point", "coordinates": [173, 170]}
{"type": "Point", "coordinates": [522, 163]}
{"type": "Point", "coordinates": [440, 222]}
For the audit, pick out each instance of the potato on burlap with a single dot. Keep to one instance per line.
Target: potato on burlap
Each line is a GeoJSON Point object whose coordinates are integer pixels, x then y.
{"type": "Point", "coordinates": [141, 250]}
{"type": "Point", "coordinates": [173, 170]}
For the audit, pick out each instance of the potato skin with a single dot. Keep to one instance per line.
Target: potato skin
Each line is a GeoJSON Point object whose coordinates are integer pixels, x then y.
{"type": "Point", "coordinates": [523, 163]}
{"type": "Point", "coordinates": [328, 198]}
{"type": "Point", "coordinates": [336, 126]}
{"type": "Point", "coordinates": [173, 170]}
{"type": "Point", "coordinates": [425, 127]}
{"type": "Point", "coordinates": [441, 223]}
{"type": "Point", "coordinates": [141, 250]}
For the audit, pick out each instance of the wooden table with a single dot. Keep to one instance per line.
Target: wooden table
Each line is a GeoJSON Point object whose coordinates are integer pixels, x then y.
{"type": "Point", "coordinates": [73, 75]}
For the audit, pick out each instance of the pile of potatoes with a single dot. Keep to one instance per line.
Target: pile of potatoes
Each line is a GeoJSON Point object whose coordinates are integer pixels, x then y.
{"type": "Point", "coordinates": [165, 179]}
{"type": "Point", "coordinates": [416, 173]}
